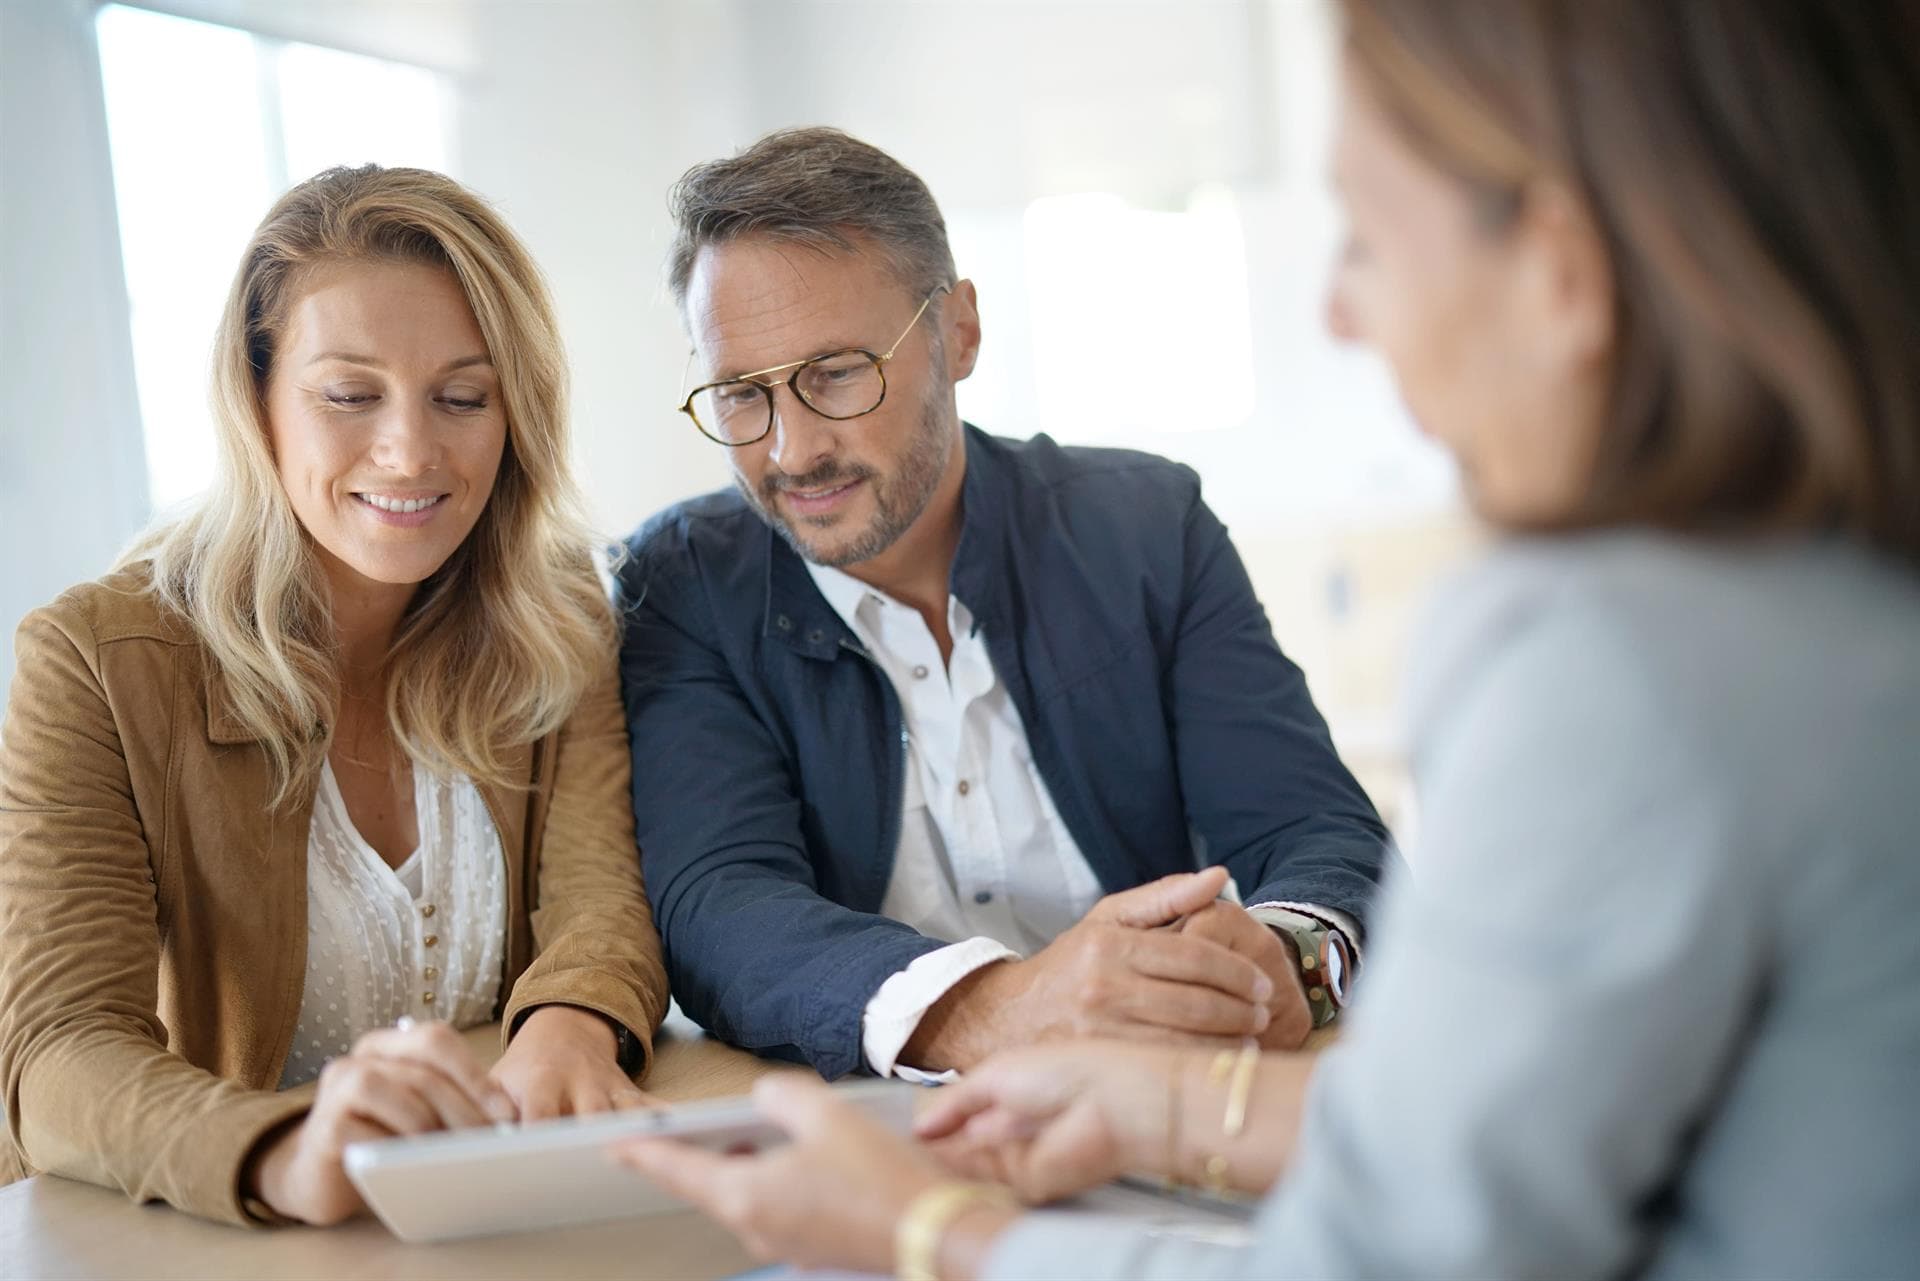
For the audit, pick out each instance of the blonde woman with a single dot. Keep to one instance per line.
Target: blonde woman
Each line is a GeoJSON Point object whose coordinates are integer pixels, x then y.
{"type": "Point", "coordinates": [335, 764]}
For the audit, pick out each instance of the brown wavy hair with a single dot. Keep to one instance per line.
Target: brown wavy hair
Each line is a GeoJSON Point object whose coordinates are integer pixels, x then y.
{"type": "Point", "coordinates": [1754, 169]}
{"type": "Point", "coordinates": [498, 644]}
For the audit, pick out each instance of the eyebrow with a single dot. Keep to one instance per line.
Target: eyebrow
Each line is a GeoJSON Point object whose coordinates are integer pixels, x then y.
{"type": "Point", "coordinates": [374, 362]}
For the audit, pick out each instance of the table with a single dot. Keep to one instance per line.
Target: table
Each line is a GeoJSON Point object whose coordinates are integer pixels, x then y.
{"type": "Point", "coordinates": [55, 1228]}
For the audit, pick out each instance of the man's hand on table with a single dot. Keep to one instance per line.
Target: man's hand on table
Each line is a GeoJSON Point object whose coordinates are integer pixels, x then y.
{"type": "Point", "coordinates": [1289, 1018]}
{"type": "Point", "coordinates": [1118, 972]}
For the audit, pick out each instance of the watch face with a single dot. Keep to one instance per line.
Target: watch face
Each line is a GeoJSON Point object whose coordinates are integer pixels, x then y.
{"type": "Point", "coordinates": [1339, 964]}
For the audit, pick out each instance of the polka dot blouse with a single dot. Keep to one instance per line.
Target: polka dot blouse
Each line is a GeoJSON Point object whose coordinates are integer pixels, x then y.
{"type": "Point", "coordinates": [427, 939]}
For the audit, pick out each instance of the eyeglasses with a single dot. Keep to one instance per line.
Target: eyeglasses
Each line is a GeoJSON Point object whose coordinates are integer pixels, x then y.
{"type": "Point", "coordinates": [839, 385]}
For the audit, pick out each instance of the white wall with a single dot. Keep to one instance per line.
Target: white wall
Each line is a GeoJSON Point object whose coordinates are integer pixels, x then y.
{"type": "Point", "coordinates": [576, 128]}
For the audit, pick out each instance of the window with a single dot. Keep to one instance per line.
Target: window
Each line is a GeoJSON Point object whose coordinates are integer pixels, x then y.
{"type": "Point", "coordinates": [1140, 316]}
{"type": "Point", "coordinates": [208, 124]}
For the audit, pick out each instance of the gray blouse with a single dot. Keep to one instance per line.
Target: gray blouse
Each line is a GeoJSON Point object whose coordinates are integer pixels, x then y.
{"type": "Point", "coordinates": [1649, 1003]}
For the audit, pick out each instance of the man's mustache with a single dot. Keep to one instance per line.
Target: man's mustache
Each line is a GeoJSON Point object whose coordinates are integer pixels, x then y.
{"type": "Point", "coordinates": [821, 477]}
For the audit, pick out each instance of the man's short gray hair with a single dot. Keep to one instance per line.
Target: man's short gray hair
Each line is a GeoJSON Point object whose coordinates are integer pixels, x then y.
{"type": "Point", "coordinates": [817, 187]}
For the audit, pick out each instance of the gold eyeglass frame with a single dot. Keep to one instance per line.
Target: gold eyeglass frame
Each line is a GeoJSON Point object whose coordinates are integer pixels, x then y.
{"type": "Point", "coordinates": [798, 367]}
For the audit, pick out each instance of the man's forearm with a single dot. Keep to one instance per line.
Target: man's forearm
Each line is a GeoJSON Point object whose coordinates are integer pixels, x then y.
{"type": "Point", "coordinates": [964, 1026]}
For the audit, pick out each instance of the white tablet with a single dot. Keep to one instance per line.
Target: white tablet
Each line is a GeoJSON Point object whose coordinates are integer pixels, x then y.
{"type": "Point", "coordinates": [550, 1174]}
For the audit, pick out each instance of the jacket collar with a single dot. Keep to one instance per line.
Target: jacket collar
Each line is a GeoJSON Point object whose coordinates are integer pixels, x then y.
{"type": "Point", "coordinates": [507, 805]}
{"type": "Point", "coordinates": [982, 560]}
{"type": "Point", "coordinates": [800, 618]}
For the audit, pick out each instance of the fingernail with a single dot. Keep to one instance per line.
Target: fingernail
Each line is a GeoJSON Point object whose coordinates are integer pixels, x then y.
{"type": "Point", "coordinates": [1263, 989]}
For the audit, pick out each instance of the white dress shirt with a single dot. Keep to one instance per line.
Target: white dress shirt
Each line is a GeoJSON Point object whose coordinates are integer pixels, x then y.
{"type": "Point", "coordinates": [427, 939]}
{"type": "Point", "coordinates": [984, 862]}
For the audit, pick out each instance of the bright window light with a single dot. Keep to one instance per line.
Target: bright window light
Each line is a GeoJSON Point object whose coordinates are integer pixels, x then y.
{"type": "Point", "coordinates": [1141, 324]}
{"type": "Point", "coordinates": [207, 125]}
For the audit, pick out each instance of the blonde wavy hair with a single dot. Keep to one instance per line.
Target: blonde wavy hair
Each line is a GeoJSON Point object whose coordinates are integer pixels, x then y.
{"type": "Point", "coordinates": [498, 644]}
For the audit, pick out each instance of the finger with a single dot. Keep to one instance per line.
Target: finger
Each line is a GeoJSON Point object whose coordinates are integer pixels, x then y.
{"type": "Point", "coordinates": [998, 1127]}
{"type": "Point", "coordinates": [633, 1100]}
{"type": "Point", "coordinates": [968, 1161]}
{"type": "Point", "coordinates": [1231, 927]}
{"type": "Point", "coordinates": [590, 1101]}
{"type": "Point", "coordinates": [952, 1108]}
{"type": "Point", "coordinates": [1184, 1007]}
{"type": "Point", "coordinates": [541, 1098]}
{"type": "Point", "coordinates": [693, 1175]}
{"type": "Point", "coordinates": [452, 1107]}
{"type": "Point", "coordinates": [1201, 963]}
{"type": "Point", "coordinates": [1159, 902]}
{"type": "Point", "coordinates": [438, 1046]}
{"type": "Point", "coordinates": [354, 1088]}
{"type": "Point", "coordinates": [801, 1104]}
{"type": "Point", "coordinates": [1067, 1158]}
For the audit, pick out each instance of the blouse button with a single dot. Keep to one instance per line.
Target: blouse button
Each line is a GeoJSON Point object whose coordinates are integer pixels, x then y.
{"type": "Point", "coordinates": [426, 998]}
{"type": "Point", "coordinates": [431, 973]}
{"type": "Point", "coordinates": [431, 939]}
{"type": "Point", "coordinates": [426, 911]}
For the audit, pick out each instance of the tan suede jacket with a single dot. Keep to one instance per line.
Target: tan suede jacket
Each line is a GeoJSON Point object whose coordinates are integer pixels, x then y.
{"type": "Point", "coordinates": [153, 912]}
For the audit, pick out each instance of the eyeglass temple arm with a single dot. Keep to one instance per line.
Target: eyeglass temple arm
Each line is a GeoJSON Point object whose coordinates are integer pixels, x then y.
{"type": "Point", "coordinates": [795, 364]}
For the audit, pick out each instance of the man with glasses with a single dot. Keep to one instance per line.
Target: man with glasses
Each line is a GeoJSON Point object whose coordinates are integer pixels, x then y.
{"type": "Point", "coordinates": [926, 723]}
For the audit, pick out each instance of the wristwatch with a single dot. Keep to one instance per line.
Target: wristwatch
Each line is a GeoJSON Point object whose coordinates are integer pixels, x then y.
{"type": "Point", "coordinates": [627, 1050]}
{"type": "Point", "coordinates": [1326, 959]}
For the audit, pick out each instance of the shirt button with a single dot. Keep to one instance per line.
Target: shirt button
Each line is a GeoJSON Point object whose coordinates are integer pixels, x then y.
{"type": "Point", "coordinates": [426, 910]}
{"type": "Point", "coordinates": [965, 787]}
{"type": "Point", "coordinates": [920, 672]}
{"type": "Point", "coordinates": [983, 896]}
{"type": "Point", "coordinates": [431, 939]}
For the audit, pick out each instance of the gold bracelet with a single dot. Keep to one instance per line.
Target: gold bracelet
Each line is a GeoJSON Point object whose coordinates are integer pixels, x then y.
{"type": "Point", "coordinates": [1233, 1123]}
{"type": "Point", "coordinates": [922, 1228]}
{"type": "Point", "coordinates": [1235, 1120]}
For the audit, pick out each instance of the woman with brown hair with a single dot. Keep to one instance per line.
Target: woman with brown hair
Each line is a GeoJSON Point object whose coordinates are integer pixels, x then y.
{"type": "Point", "coordinates": [1651, 1003]}
{"type": "Point", "coordinates": [335, 764]}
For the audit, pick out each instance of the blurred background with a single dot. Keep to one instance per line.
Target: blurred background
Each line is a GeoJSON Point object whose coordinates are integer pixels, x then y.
{"type": "Point", "coordinates": [1136, 186]}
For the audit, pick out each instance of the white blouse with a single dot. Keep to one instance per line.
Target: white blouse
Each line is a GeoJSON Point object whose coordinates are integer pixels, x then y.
{"type": "Point", "coordinates": [426, 940]}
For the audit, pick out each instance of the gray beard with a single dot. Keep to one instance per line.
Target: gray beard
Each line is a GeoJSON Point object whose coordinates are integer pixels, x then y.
{"type": "Point", "coordinates": [899, 499]}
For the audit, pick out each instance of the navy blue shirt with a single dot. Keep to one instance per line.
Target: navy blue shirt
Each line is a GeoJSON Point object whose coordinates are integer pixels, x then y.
{"type": "Point", "coordinates": [769, 754]}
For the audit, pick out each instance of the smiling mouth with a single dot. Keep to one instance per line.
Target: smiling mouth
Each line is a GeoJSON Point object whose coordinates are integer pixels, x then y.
{"type": "Point", "coordinates": [815, 495]}
{"type": "Point", "coordinates": [401, 506]}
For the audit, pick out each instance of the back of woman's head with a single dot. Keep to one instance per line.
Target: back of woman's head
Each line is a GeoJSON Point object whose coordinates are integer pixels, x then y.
{"type": "Point", "coordinates": [497, 644]}
{"type": "Point", "coordinates": [1753, 168]}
